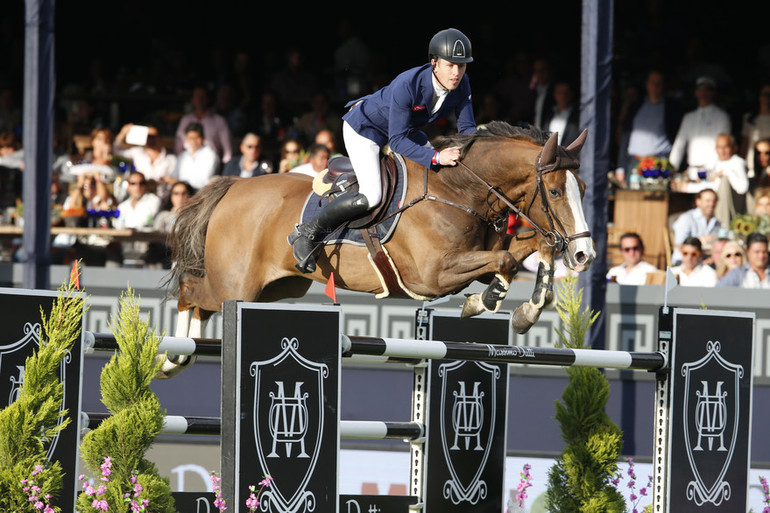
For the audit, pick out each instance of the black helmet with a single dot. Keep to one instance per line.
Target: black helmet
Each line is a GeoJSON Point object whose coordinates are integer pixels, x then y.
{"type": "Point", "coordinates": [451, 45]}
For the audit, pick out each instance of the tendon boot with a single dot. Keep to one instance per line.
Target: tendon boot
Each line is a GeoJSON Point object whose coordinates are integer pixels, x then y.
{"type": "Point", "coordinates": [308, 237]}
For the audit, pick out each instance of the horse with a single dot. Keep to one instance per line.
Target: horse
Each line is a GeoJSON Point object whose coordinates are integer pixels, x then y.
{"type": "Point", "coordinates": [229, 241]}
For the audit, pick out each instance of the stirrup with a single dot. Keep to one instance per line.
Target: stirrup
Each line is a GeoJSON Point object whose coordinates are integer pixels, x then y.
{"type": "Point", "coordinates": [305, 264]}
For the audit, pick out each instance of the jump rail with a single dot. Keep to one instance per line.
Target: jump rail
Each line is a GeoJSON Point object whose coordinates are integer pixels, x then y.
{"type": "Point", "coordinates": [358, 429]}
{"type": "Point", "coordinates": [409, 350]}
{"type": "Point", "coordinates": [492, 353]}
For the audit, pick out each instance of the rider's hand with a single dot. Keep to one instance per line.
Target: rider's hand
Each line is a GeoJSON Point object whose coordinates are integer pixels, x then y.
{"type": "Point", "coordinates": [449, 156]}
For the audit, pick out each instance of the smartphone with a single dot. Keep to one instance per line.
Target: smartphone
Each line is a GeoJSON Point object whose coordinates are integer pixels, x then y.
{"type": "Point", "coordinates": [137, 135]}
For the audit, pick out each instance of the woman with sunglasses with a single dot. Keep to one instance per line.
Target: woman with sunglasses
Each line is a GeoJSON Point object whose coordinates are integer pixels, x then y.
{"type": "Point", "coordinates": [732, 256]}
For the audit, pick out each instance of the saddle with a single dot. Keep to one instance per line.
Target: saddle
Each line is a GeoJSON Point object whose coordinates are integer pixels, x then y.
{"type": "Point", "coordinates": [340, 177]}
{"type": "Point", "coordinates": [374, 227]}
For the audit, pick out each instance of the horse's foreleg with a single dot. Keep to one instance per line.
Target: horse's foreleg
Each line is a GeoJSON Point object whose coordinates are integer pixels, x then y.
{"type": "Point", "coordinates": [492, 298]}
{"type": "Point", "coordinates": [187, 325]}
{"type": "Point", "coordinates": [528, 313]}
{"type": "Point", "coordinates": [466, 267]}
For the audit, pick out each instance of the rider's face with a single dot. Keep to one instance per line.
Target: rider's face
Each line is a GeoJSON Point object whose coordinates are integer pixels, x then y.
{"type": "Point", "coordinates": [447, 73]}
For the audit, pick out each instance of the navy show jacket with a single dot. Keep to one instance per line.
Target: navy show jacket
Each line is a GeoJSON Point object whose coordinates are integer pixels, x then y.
{"type": "Point", "coordinates": [395, 113]}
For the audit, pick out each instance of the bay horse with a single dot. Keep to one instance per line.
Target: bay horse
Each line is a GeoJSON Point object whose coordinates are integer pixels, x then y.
{"type": "Point", "coordinates": [229, 241]}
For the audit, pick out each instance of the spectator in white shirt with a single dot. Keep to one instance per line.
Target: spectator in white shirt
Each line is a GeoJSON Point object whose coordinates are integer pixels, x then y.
{"type": "Point", "coordinates": [137, 212]}
{"type": "Point", "coordinates": [633, 270]}
{"type": "Point", "coordinates": [218, 135]}
{"type": "Point", "coordinates": [695, 143]}
{"type": "Point", "coordinates": [319, 160]}
{"type": "Point", "coordinates": [693, 272]}
{"type": "Point", "coordinates": [139, 209]}
{"type": "Point", "coordinates": [727, 174]}
{"type": "Point", "coordinates": [198, 163]}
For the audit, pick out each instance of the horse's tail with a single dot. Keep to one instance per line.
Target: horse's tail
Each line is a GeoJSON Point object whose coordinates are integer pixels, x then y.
{"type": "Point", "coordinates": [188, 236]}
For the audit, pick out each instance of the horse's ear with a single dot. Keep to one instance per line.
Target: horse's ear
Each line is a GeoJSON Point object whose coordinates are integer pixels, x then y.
{"type": "Point", "coordinates": [574, 149]}
{"type": "Point", "coordinates": [548, 155]}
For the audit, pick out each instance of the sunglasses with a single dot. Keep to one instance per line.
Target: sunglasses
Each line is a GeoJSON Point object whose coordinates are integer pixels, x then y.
{"type": "Point", "coordinates": [689, 254]}
{"type": "Point", "coordinates": [731, 255]}
{"type": "Point", "coordinates": [137, 183]}
{"type": "Point", "coordinates": [631, 248]}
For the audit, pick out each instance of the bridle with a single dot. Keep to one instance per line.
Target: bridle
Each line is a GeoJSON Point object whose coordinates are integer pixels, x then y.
{"type": "Point", "coordinates": [556, 237]}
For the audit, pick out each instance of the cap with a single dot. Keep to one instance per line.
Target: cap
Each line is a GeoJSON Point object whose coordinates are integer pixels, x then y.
{"type": "Point", "coordinates": [705, 81]}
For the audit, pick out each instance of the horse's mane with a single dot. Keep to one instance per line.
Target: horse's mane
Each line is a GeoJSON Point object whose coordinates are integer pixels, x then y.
{"type": "Point", "coordinates": [491, 130]}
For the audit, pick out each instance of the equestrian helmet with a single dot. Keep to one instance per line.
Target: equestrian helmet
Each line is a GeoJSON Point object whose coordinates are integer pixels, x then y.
{"type": "Point", "coordinates": [450, 45]}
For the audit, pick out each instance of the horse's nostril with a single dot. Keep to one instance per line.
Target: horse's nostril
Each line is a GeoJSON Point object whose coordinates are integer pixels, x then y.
{"type": "Point", "coordinates": [581, 257]}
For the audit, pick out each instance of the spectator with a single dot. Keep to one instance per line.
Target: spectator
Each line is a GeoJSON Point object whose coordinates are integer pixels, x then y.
{"type": "Point", "coordinates": [564, 118]}
{"type": "Point", "coordinates": [294, 83]}
{"type": "Point", "coordinates": [754, 274]}
{"type": "Point", "coordinates": [693, 272]}
{"type": "Point", "coordinates": [151, 158]}
{"type": "Point", "coordinates": [89, 193]}
{"type": "Point", "coordinates": [291, 156]}
{"type": "Point", "coordinates": [229, 107]}
{"type": "Point", "coordinates": [633, 270]}
{"type": "Point", "coordinates": [761, 160]}
{"type": "Point", "coordinates": [328, 139]}
{"type": "Point", "coordinates": [695, 143]}
{"type": "Point", "coordinates": [177, 197]}
{"type": "Point", "coordinates": [199, 162]}
{"type": "Point", "coordinates": [513, 88]}
{"type": "Point", "coordinates": [762, 202]}
{"type": "Point", "coordinates": [138, 211]}
{"type": "Point", "coordinates": [726, 175]}
{"type": "Point", "coordinates": [11, 153]}
{"type": "Point", "coordinates": [542, 85]}
{"type": "Point", "coordinates": [698, 222]}
{"type": "Point", "coordinates": [159, 253]}
{"type": "Point", "coordinates": [649, 127]}
{"type": "Point", "coordinates": [250, 162]}
{"type": "Point", "coordinates": [270, 122]}
{"type": "Point", "coordinates": [217, 132]}
{"type": "Point", "coordinates": [319, 159]}
{"type": "Point", "coordinates": [755, 127]}
{"type": "Point", "coordinates": [319, 117]}
{"type": "Point", "coordinates": [732, 256]}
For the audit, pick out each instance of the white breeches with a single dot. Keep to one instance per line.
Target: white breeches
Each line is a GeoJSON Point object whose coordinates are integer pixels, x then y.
{"type": "Point", "coordinates": [365, 158]}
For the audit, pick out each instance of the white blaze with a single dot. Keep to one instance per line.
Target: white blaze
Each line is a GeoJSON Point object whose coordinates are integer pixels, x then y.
{"type": "Point", "coordinates": [583, 244]}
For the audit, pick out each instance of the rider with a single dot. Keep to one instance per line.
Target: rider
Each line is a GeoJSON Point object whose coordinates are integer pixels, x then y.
{"type": "Point", "coordinates": [394, 115]}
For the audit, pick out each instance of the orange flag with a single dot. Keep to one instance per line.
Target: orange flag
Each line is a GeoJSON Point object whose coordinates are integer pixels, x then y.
{"type": "Point", "coordinates": [75, 275]}
{"type": "Point", "coordinates": [330, 290]}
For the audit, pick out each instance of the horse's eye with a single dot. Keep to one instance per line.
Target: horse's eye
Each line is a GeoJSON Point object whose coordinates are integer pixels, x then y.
{"type": "Point", "coordinates": [555, 192]}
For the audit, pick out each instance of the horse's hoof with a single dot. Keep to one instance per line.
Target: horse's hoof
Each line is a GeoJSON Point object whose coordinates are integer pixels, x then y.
{"type": "Point", "coordinates": [522, 318]}
{"type": "Point", "coordinates": [173, 365]}
{"type": "Point", "coordinates": [473, 306]}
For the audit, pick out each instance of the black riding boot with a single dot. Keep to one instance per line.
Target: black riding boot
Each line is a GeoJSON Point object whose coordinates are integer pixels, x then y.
{"type": "Point", "coordinates": [307, 237]}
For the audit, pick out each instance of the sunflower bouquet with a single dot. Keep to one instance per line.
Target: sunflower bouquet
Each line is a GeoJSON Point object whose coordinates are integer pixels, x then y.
{"type": "Point", "coordinates": [746, 224]}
